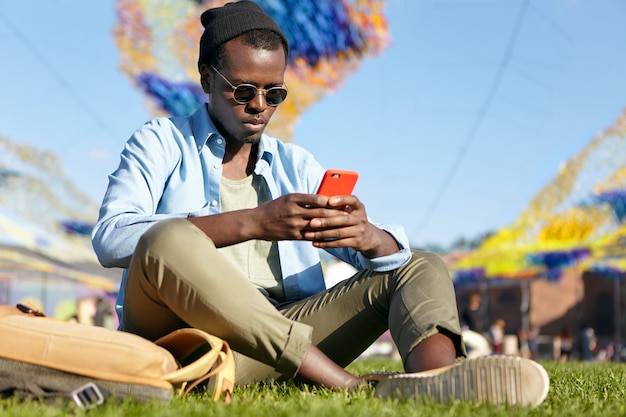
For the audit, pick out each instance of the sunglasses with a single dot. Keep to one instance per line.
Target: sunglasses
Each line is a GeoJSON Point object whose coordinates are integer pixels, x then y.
{"type": "Point", "coordinates": [245, 93]}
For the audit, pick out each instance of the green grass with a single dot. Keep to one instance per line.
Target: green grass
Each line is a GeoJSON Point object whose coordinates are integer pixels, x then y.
{"type": "Point", "coordinates": [576, 389]}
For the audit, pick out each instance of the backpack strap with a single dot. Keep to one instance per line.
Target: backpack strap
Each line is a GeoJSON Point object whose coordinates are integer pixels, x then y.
{"type": "Point", "coordinates": [202, 356]}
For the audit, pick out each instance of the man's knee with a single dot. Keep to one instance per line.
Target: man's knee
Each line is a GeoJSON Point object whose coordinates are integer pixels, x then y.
{"type": "Point", "coordinates": [427, 264]}
{"type": "Point", "coordinates": [170, 236]}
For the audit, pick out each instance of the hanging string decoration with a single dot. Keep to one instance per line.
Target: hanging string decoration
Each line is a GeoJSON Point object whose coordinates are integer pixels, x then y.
{"type": "Point", "coordinates": [577, 220]}
{"type": "Point", "coordinates": [37, 202]}
{"type": "Point", "coordinates": [158, 43]}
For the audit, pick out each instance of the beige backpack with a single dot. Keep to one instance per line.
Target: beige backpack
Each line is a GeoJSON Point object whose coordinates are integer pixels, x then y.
{"type": "Point", "coordinates": [45, 357]}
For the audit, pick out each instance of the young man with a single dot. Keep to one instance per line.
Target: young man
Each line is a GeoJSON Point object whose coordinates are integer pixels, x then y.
{"type": "Point", "coordinates": [218, 226]}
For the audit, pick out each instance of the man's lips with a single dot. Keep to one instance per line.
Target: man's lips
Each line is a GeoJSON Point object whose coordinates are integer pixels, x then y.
{"type": "Point", "coordinates": [255, 124]}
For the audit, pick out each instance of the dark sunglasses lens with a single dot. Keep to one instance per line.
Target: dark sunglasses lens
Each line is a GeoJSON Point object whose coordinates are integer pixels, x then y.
{"type": "Point", "coordinates": [244, 93]}
{"type": "Point", "coordinates": [276, 95]}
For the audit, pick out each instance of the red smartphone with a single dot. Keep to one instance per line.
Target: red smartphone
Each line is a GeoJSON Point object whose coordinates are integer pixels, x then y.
{"type": "Point", "coordinates": [338, 182]}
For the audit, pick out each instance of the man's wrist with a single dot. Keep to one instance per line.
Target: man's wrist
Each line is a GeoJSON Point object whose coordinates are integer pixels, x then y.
{"type": "Point", "coordinates": [385, 245]}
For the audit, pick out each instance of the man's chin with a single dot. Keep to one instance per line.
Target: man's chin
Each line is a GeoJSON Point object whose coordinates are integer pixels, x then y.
{"type": "Point", "coordinates": [250, 140]}
{"type": "Point", "coordinates": [255, 138]}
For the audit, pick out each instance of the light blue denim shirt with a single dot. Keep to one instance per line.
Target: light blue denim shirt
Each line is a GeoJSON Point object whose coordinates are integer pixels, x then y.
{"type": "Point", "coordinates": [171, 167]}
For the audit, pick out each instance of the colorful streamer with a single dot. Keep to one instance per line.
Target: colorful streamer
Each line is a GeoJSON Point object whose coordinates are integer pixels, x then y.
{"type": "Point", "coordinates": [576, 221]}
{"type": "Point", "coordinates": [158, 43]}
{"type": "Point", "coordinates": [39, 205]}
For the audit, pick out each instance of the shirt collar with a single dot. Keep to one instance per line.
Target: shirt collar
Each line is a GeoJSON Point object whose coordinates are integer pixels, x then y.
{"type": "Point", "coordinates": [204, 129]}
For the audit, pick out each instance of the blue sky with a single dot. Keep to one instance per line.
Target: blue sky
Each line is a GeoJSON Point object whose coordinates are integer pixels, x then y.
{"type": "Point", "coordinates": [453, 128]}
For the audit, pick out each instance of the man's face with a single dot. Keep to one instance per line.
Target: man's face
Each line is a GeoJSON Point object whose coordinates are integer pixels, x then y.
{"type": "Point", "coordinates": [244, 64]}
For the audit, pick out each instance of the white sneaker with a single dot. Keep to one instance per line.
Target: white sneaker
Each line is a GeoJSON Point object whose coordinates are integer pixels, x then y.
{"type": "Point", "coordinates": [491, 379]}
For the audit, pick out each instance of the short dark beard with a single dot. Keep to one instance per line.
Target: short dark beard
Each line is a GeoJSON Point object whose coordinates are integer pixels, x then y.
{"type": "Point", "coordinates": [247, 140]}
{"type": "Point", "coordinates": [222, 131]}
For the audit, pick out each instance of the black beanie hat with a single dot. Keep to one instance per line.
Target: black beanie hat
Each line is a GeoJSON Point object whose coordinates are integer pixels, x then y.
{"type": "Point", "coordinates": [222, 24]}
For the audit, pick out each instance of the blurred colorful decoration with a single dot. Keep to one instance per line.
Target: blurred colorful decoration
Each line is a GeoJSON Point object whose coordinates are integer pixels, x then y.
{"type": "Point", "coordinates": [616, 199]}
{"type": "Point", "coordinates": [46, 254]}
{"type": "Point", "coordinates": [612, 272]}
{"type": "Point", "coordinates": [40, 207]}
{"type": "Point", "coordinates": [158, 42]}
{"type": "Point", "coordinates": [55, 288]}
{"type": "Point", "coordinates": [576, 221]}
{"type": "Point", "coordinates": [73, 226]}
{"type": "Point", "coordinates": [554, 262]}
{"type": "Point", "coordinates": [24, 261]}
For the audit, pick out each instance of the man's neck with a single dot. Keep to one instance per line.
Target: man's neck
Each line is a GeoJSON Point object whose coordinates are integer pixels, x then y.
{"type": "Point", "coordinates": [239, 160]}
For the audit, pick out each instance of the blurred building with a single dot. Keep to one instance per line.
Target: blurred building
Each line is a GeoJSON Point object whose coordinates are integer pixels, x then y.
{"type": "Point", "coordinates": [577, 299]}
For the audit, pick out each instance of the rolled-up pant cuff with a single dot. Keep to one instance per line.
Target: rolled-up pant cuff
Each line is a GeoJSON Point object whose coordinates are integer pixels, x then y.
{"type": "Point", "coordinates": [298, 342]}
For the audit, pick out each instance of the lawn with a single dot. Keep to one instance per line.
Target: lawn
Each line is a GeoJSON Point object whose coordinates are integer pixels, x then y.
{"type": "Point", "coordinates": [588, 389]}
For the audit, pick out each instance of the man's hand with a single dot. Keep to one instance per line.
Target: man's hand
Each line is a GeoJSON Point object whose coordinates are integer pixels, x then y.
{"type": "Point", "coordinates": [344, 223]}
{"type": "Point", "coordinates": [288, 216]}
{"type": "Point", "coordinates": [335, 222]}
{"type": "Point", "coordinates": [285, 218]}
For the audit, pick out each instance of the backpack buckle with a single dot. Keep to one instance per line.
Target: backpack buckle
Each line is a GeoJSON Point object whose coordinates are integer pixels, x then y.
{"type": "Point", "coordinates": [88, 396]}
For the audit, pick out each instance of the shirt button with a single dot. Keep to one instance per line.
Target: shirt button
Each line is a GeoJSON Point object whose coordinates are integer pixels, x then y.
{"type": "Point", "coordinates": [214, 203]}
{"type": "Point", "coordinates": [219, 141]}
{"type": "Point", "coordinates": [216, 166]}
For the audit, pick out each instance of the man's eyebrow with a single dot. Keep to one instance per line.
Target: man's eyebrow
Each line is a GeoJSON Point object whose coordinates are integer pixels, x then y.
{"type": "Point", "coordinates": [237, 81]}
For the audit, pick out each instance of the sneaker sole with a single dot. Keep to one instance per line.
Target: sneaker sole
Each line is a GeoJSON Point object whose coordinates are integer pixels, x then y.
{"type": "Point", "coordinates": [491, 379]}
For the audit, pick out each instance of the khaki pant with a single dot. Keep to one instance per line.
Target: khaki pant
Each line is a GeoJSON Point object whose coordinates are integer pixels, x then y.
{"type": "Point", "coordinates": [177, 279]}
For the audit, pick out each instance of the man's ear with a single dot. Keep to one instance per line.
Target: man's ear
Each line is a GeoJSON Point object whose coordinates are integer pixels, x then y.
{"type": "Point", "coordinates": [205, 78]}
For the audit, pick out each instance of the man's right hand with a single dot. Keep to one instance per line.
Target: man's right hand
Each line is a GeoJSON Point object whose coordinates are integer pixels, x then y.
{"type": "Point", "coordinates": [285, 218]}
{"type": "Point", "coordinates": [288, 217]}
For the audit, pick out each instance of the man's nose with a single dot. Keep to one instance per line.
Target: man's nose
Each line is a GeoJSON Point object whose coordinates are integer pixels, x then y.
{"type": "Point", "coordinates": [259, 102]}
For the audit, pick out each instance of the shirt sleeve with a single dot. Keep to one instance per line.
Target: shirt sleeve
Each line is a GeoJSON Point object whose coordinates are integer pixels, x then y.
{"type": "Point", "coordinates": [132, 196]}
{"type": "Point", "coordinates": [383, 263]}
{"type": "Point", "coordinates": [393, 261]}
